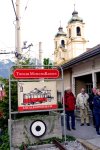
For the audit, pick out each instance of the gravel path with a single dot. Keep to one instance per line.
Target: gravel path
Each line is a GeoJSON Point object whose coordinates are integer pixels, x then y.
{"type": "Point", "coordinates": [74, 145]}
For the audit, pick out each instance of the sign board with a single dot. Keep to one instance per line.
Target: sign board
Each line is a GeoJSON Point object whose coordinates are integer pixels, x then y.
{"type": "Point", "coordinates": [37, 95]}
{"type": "Point", "coordinates": [35, 73]}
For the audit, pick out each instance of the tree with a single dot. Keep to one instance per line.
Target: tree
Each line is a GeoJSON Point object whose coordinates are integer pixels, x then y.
{"type": "Point", "coordinates": [47, 64]}
{"type": "Point", "coordinates": [4, 105]}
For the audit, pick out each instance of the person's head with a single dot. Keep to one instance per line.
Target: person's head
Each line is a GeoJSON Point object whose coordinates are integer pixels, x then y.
{"type": "Point", "coordinates": [83, 91]}
{"type": "Point", "coordinates": [68, 90]}
{"type": "Point", "coordinates": [98, 92]}
{"type": "Point", "coordinates": [94, 90]}
{"type": "Point", "coordinates": [64, 91]}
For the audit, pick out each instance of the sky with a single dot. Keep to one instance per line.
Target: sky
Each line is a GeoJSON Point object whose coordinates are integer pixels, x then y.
{"type": "Point", "coordinates": [41, 19]}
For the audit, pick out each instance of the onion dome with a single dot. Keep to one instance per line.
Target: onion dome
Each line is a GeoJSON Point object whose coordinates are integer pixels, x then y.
{"type": "Point", "coordinates": [60, 32]}
{"type": "Point", "coordinates": [75, 17]}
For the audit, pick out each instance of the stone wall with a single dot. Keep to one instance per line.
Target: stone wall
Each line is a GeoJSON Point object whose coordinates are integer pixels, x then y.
{"type": "Point", "coordinates": [20, 131]}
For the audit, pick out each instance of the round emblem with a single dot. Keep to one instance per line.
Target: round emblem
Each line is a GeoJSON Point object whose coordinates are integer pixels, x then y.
{"type": "Point", "coordinates": [38, 128]}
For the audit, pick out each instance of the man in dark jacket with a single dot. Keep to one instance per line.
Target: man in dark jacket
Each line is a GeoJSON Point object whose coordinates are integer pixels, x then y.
{"type": "Point", "coordinates": [70, 102]}
{"type": "Point", "coordinates": [90, 100]}
{"type": "Point", "coordinates": [96, 111]}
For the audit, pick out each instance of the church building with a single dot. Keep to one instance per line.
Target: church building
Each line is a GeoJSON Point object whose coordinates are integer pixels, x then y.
{"type": "Point", "coordinates": [81, 66]}
{"type": "Point", "coordinates": [72, 43]}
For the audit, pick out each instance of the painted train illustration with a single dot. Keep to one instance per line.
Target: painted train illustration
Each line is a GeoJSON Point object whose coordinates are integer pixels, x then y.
{"type": "Point", "coordinates": [37, 96]}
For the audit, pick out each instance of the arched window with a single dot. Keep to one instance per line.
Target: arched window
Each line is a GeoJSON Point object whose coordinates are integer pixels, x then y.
{"type": "Point", "coordinates": [78, 31]}
{"type": "Point", "coordinates": [62, 43]}
{"type": "Point", "coordinates": [69, 33]}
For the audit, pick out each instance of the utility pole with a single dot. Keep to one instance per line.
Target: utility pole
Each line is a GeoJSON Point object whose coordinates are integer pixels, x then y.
{"type": "Point", "coordinates": [40, 52]}
{"type": "Point", "coordinates": [18, 30]}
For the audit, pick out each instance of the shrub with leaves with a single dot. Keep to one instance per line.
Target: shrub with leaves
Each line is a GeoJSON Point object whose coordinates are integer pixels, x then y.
{"type": "Point", "coordinates": [4, 141]}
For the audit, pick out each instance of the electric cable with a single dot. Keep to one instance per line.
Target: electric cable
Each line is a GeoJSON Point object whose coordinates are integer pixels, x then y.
{"type": "Point", "coordinates": [25, 9]}
{"type": "Point", "coordinates": [14, 9]}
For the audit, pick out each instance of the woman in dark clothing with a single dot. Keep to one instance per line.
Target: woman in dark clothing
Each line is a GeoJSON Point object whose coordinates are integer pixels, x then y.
{"type": "Point", "coordinates": [70, 102]}
{"type": "Point", "coordinates": [90, 100]}
{"type": "Point", "coordinates": [96, 110]}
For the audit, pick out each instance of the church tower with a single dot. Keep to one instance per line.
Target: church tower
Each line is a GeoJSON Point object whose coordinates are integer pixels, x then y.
{"type": "Point", "coordinates": [76, 42]}
{"type": "Point", "coordinates": [60, 46]}
{"type": "Point", "coordinates": [71, 44]}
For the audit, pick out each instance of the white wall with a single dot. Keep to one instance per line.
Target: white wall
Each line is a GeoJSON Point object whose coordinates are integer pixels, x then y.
{"type": "Point", "coordinates": [67, 81]}
{"type": "Point", "coordinates": [87, 67]}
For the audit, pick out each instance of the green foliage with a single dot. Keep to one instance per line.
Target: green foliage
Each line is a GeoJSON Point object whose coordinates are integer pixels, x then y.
{"type": "Point", "coordinates": [46, 63]}
{"type": "Point", "coordinates": [22, 147]}
{"type": "Point", "coordinates": [68, 138]}
{"type": "Point", "coordinates": [26, 62]}
{"type": "Point", "coordinates": [14, 96]}
{"type": "Point", "coordinates": [60, 104]}
{"type": "Point", "coordinates": [49, 141]}
{"type": "Point", "coordinates": [4, 105]}
{"type": "Point", "coordinates": [4, 138]}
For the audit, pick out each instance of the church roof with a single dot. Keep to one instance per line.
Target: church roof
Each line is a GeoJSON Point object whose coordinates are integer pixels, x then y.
{"type": "Point", "coordinates": [86, 55]}
{"type": "Point", "coordinates": [75, 17]}
{"type": "Point", "coordinates": [60, 32]}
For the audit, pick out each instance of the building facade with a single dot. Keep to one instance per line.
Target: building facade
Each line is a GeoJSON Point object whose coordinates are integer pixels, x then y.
{"type": "Point", "coordinates": [71, 43]}
{"type": "Point", "coordinates": [83, 71]}
{"type": "Point", "coordinates": [81, 67]}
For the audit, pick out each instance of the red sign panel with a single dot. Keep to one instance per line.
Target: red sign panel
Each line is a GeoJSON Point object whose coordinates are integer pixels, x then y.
{"type": "Point", "coordinates": [38, 107]}
{"type": "Point", "coordinates": [35, 73]}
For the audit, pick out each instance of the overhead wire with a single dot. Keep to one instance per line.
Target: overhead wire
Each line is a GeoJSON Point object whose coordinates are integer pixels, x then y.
{"type": "Point", "coordinates": [21, 18]}
{"type": "Point", "coordinates": [3, 43]}
{"type": "Point", "coordinates": [25, 9]}
{"type": "Point", "coordinates": [14, 9]}
{"type": "Point", "coordinates": [4, 49]}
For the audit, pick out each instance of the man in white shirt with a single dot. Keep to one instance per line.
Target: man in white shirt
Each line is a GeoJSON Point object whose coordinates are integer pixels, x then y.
{"type": "Point", "coordinates": [82, 104]}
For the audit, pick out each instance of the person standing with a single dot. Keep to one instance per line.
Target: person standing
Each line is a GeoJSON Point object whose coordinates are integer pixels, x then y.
{"type": "Point", "coordinates": [90, 100]}
{"type": "Point", "coordinates": [96, 111]}
{"type": "Point", "coordinates": [82, 104]}
{"type": "Point", "coordinates": [70, 102]}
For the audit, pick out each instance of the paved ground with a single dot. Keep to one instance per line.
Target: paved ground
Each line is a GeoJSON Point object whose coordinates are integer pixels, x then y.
{"type": "Point", "coordinates": [85, 132]}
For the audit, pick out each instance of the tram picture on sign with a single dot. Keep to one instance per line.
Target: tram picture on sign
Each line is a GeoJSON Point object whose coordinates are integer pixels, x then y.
{"type": "Point", "coordinates": [37, 95]}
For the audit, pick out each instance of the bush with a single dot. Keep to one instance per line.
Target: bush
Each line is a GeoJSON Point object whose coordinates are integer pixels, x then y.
{"type": "Point", "coordinates": [4, 139]}
{"type": "Point", "coordinates": [60, 104]}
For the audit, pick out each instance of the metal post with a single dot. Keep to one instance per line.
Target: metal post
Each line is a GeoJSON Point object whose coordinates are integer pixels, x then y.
{"type": "Point", "coordinates": [40, 52]}
{"type": "Point", "coordinates": [94, 79]}
{"type": "Point", "coordinates": [9, 121]}
{"type": "Point", "coordinates": [17, 30]}
{"type": "Point", "coordinates": [73, 85]}
{"type": "Point", "coordinates": [64, 116]}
